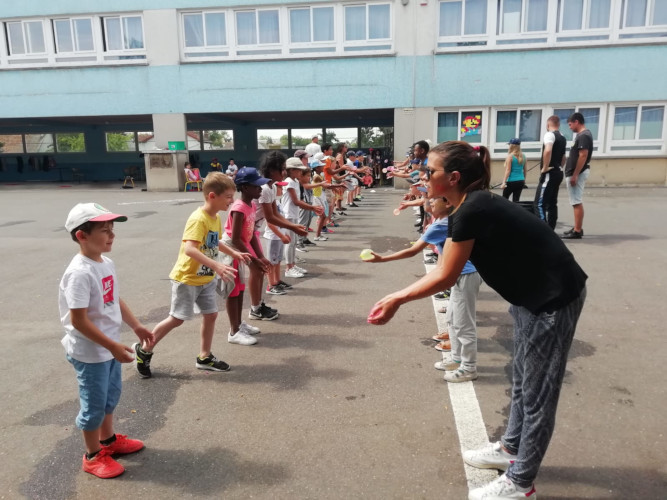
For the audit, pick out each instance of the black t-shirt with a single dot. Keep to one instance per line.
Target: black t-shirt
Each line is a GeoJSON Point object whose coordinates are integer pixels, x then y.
{"type": "Point", "coordinates": [584, 140]}
{"type": "Point", "coordinates": [516, 253]}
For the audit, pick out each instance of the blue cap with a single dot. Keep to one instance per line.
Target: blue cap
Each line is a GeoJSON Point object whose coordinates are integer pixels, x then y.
{"type": "Point", "coordinates": [360, 153]}
{"type": "Point", "coordinates": [351, 153]}
{"type": "Point", "coordinates": [422, 189]}
{"type": "Point", "coordinates": [516, 141]}
{"type": "Point", "coordinates": [249, 175]}
{"type": "Point", "coordinates": [316, 163]}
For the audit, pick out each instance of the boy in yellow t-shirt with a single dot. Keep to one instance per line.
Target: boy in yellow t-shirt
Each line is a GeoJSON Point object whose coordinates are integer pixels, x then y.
{"type": "Point", "coordinates": [194, 275]}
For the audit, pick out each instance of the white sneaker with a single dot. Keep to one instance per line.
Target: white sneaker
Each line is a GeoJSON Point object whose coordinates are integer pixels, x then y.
{"type": "Point", "coordinates": [492, 456]}
{"type": "Point", "coordinates": [458, 374]}
{"type": "Point", "coordinates": [320, 238]}
{"type": "Point", "coordinates": [300, 269]}
{"type": "Point", "coordinates": [241, 338]}
{"type": "Point", "coordinates": [447, 364]}
{"type": "Point", "coordinates": [293, 273]}
{"type": "Point", "coordinates": [502, 488]}
{"type": "Point", "coordinates": [250, 330]}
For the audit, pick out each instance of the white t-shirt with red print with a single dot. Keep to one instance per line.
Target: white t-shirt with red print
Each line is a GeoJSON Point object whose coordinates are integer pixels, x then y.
{"type": "Point", "coordinates": [91, 285]}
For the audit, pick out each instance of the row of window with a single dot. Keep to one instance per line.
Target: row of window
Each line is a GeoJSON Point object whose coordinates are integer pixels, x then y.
{"type": "Point", "coordinates": [484, 23]}
{"type": "Point", "coordinates": [335, 30]}
{"type": "Point", "coordinates": [197, 140]}
{"type": "Point", "coordinates": [617, 129]}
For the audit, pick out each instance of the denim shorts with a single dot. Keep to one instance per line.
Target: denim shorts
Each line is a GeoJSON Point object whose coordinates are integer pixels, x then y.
{"type": "Point", "coordinates": [184, 297]}
{"type": "Point", "coordinates": [576, 192]}
{"type": "Point", "coordinates": [99, 391]}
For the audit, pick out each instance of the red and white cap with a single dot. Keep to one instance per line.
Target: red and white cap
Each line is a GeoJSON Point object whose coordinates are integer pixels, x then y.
{"type": "Point", "coordinates": [90, 212]}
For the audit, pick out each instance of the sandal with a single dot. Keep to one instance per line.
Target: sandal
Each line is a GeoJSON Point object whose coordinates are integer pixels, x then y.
{"type": "Point", "coordinates": [444, 346]}
{"type": "Point", "coordinates": [441, 336]}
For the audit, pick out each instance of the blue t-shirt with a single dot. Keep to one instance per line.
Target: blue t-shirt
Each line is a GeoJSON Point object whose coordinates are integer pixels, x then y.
{"type": "Point", "coordinates": [436, 234]}
{"type": "Point", "coordinates": [516, 171]}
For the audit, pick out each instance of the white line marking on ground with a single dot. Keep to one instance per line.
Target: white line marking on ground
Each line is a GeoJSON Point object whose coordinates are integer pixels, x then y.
{"type": "Point", "coordinates": [467, 414]}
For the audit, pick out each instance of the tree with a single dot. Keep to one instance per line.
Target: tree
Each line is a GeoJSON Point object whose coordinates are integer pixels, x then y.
{"type": "Point", "coordinates": [70, 143]}
{"type": "Point", "coordinates": [218, 138]}
{"type": "Point", "coordinates": [119, 141]}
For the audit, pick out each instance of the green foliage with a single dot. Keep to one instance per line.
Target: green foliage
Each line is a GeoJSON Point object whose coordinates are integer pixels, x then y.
{"type": "Point", "coordinates": [218, 138]}
{"type": "Point", "coordinates": [70, 143]}
{"type": "Point", "coordinates": [119, 141]}
{"type": "Point", "coordinates": [300, 142]}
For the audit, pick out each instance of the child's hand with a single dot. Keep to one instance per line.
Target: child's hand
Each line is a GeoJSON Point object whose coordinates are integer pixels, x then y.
{"type": "Point", "coordinates": [318, 210]}
{"type": "Point", "coordinates": [301, 230]}
{"type": "Point", "coordinates": [375, 258]}
{"type": "Point", "coordinates": [260, 264]}
{"type": "Point", "coordinates": [123, 353]}
{"type": "Point", "coordinates": [227, 273]}
{"type": "Point", "coordinates": [285, 239]}
{"type": "Point", "coordinates": [243, 257]}
{"type": "Point", "coordinates": [144, 334]}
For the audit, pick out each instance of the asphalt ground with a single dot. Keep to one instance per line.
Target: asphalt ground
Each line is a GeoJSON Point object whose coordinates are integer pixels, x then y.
{"type": "Point", "coordinates": [325, 405]}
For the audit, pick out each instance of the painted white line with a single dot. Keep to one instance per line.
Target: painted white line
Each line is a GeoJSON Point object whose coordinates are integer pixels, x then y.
{"type": "Point", "coordinates": [148, 202]}
{"type": "Point", "coordinates": [467, 414]}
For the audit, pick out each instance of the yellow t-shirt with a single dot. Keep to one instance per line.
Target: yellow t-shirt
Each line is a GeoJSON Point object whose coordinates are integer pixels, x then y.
{"type": "Point", "coordinates": [317, 191]}
{"type": "Point", "coordinates": [206, 230]}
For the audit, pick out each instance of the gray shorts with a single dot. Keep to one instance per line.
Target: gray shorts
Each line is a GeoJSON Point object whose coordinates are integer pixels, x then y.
{"type": "Point", "coordinates": [273, 250]}
{"type": "Point", "coordinates": [576, 192]}
{"type": "Point", "coordinates": [184, 297]}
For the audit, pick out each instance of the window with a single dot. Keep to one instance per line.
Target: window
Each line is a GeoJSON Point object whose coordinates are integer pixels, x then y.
{"type": "Point", "coordinates": [39, 143]}
{"type": "Point", "coordinates": [257, 27]}
{"type": "Point", "coordinates": [591, 119]}
{"type": "Point", "coordinates": [335, 136]}
{"type": "Point", "coordinates": [146, 141]}
{"type": "Point", "coordinates": [123, 33]}
{"type": "Point", "coordinates": [71, 143]}
{"type": "Point", "coordinates": [272, 139]}
{"type": "Point", "coordinates": [73, 35]}
{"type": "Point", "coordinates": [205, 30]}
{"type": "Point", "coordinates": [377, 137]}
{"type": "Point", "coordinates": [584, 14]}
{"type": "Point", "coordinates": [218, 139]}
{"type": "Point", "coordinates": [301, 137]}
{"type": "Point", "coordinates": [525, 124]}
{"type": "Point", "coordinates": [638, 123]}
{"type": "Point", "coordinates": [367, 22]}
{"type": "Point", "coordinates": [26, 37]}
{"type": "Point", "coordinates": [11, 143]}
{"type": "Point", "coordinates": [462, 17]}
{"type": "Point", "coordinates": [311, 24]}
{"type": "Point", "coordinates": [639, 13]}
{"type": "Point", "coordinates": [461, 125]}
{"type": "Point", "coordinates": [521, 16]}
{"type": "Point", "coordinates": [119, 142]}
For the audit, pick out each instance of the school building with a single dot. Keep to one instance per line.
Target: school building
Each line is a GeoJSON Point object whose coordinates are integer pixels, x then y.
{"type": "Point", "coordinates": [87, 87]}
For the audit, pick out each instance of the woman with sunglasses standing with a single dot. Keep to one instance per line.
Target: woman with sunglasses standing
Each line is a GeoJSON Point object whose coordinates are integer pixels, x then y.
{"type": "Point", "coordinates": [546, 301]}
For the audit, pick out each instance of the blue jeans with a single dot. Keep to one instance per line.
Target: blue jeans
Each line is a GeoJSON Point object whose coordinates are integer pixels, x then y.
{"type": "Point", "coordinates": [541, 345]}
{"type": "Point", "coordinates": [99, 391]}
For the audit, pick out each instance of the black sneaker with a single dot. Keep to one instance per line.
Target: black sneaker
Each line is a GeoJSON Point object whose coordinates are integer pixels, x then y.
{"type": "Point", "coordinates": [267, 307]}
{"type": "Point", "coordinates": [442, 295]}
{"type": "Point", "coordinates": [286, 286]}
{"type": "Point", "coordinates": [143, 360]}
{"type": "Point", "coordinates": [212, 363]}
{"type": "Point", "coordinates": [300, 248]}
{"type": "Point", "coordinates": [431, 260]}
{"type": "Point", "coordinates": [573, 235]}
{"type": "Point", "coordinates": [309, 243]}
{"type": "Point", "coordinates": [264, 313]}
{"type": "Point", "coordinates": [353, 204]}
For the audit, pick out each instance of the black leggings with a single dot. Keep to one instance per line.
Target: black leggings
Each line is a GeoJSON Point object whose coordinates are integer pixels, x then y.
{"type": "Point", "coordinates": [546, 196]}
{"type": "Point", "coordinates": [514, 188]}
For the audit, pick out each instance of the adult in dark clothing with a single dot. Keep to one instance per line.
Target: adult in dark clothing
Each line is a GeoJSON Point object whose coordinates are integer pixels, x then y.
{"type": "Point", "coordinates": [546, 302]}
{"type": "Point", "coordinates": [577, 170]}
{"type": "Point", "coordinates": [551, 175]}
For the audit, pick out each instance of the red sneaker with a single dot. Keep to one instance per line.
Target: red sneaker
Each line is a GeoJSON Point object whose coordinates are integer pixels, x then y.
{"type": "Point", "coordinates": [102, 465]}
{"type": "Point", "coordinates": [122, 446]}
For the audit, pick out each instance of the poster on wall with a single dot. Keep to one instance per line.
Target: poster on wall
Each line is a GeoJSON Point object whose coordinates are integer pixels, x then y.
{"type": "Point", "coordinates": [471, 124]}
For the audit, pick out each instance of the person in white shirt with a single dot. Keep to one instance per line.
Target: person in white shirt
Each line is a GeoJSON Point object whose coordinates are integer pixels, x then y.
{"type": "Point", "coordinates": [314, 147]}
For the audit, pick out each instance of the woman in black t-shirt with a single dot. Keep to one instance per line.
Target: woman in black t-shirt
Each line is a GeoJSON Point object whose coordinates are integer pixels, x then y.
{"type": "Point", "coordinates": [546, 300]}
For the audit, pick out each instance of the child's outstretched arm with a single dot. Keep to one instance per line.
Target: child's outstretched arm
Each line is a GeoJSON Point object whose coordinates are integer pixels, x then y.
{"type": "Point", "coordinates": [83, 324]}
{"type": "Point", "coordinates": [402, 254]}
{"type": "Point", "coordinates": [140, 330]}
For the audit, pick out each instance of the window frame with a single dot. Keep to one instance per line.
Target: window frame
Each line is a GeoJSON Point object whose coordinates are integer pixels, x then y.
{"type": "Point", "coordinates": [636, 141]}
{"type": "Point", "coordinates": [462, 39]}
{"type": "Point", "coordinates": [26, 55]}
{"type": "Point", "coordinates": [585, 20]}
{"type": "Point", "coordinates": [124, 50]}
{"type": "Point", "coordinates": [484, 110]}
{"type": "Point", "coordinates": [206, 48]}
{"type": "Point", "coordinates": [367, 40]}
{"type": "Point", "coordinates": [323, 43]}
{"type": "Point", "coordinates": [71, 20]}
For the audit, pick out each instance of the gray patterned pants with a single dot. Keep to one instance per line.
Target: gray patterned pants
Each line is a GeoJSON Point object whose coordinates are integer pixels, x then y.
{"type": "Point", "coordinates": [541, 345]}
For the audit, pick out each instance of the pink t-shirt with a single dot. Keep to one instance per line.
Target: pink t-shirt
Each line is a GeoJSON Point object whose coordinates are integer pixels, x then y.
{"type": "Point", "coordinates": [248, 230]}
